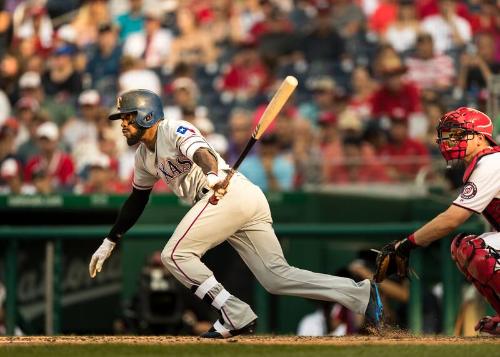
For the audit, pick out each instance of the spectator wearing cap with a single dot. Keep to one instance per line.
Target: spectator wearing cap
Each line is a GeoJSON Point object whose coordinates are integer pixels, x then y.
{"type": "Point", "coordinates": [402, 33]}
{"type": "Point", "coordinates": [26, 111]}
{"type": "Point", "coordinates": [325, 94]}
{"type": "Point", "coordinates": [55, 166]}
{"type": "Point", "coordinates": [30, 86]}
{"type": "Point", "coordinates": [104, 61]}
{"type": "Point", "coordinates": [62, 82]}
{"type": "Point", "coordinates": [131, 21]}
{"type": "Point", "coordinates": [100, 178]}
{"type": "Point", "coordinates": [430, 71]}
{"type": "Point", "coordinates": [404, 156]}
{"type": "Point", "coordinates": [449, 30]}
{"type": "Point", "coordinates": [332, 134]}
{"type": "Point", "coordinates": [185, 94]}
{"type": "Point", "coordinates": [80, 135]}
{"type": "Point", "coordinates": [396, 97]}
{"type": "Point", "coordinates": [153, 45]}
{"type": "Point", "coordinates": [270, 169]}
{"type": "Point", "coordinates": [10, 168]}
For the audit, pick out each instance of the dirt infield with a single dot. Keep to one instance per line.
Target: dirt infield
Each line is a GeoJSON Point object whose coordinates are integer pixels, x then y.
{"type": "Point", "coordinates": [248, 340]}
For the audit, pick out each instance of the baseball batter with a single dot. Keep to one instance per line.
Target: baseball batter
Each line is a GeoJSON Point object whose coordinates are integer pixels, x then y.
{"type": "Point", "coordinates": [176, 152]}
{"type": "Point", "coordinates": [466, 134]}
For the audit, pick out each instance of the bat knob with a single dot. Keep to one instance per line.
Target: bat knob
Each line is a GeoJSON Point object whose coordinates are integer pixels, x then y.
{"type": "Point", "coordinates": [213, 200]}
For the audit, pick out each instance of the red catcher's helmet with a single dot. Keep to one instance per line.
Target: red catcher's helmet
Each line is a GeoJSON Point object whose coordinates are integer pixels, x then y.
{"type": "Point", "coordinates": [457, 127]}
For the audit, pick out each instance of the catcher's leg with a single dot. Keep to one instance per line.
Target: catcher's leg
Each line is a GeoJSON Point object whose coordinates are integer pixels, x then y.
{"type": "Point", "coordinates": [204, 227]}
{"type": "Point", "coordinates": [481, 265]}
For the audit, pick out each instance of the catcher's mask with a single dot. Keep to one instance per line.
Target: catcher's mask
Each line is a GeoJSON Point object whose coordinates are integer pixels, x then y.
{"type": "Point", "coordinates": [457, 127]}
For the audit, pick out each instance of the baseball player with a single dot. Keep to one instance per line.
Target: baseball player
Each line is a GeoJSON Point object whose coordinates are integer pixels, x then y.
{"type": "Point", "coordinates": [464, 134]}
{"type": "Point", "coordinates": [176, 152]}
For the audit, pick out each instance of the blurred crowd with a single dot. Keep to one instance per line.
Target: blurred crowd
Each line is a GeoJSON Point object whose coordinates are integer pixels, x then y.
{"type": "Point", "coordinates": [374, 78]}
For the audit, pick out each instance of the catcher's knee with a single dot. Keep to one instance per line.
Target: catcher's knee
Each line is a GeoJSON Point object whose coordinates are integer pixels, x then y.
{"type": "Point", "coordinates": [462, 251]}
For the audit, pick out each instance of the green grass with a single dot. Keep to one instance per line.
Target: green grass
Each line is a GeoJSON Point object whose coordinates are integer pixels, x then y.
{"type": "Point", "coordinates": [236, 350]}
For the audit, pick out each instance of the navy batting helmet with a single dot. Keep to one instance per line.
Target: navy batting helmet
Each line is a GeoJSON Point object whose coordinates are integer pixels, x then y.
{"type": "Point", "coordinates": [146, 104]}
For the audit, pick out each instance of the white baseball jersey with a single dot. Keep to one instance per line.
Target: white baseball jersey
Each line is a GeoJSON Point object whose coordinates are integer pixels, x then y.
{"type": "Point", "coordinates": [172, 161]}
{"type": "Point", "coordinates": [481, 192]}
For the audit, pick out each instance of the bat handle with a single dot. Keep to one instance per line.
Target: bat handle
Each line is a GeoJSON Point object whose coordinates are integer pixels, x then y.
{"type": "Point", "coordinates": [213, 200]}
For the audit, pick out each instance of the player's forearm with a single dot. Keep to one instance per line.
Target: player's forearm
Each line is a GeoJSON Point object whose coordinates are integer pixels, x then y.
{"type": "Point", "coordinates": [129, 213]}
{"type": "Point", "coordinates": [205, 159]}
{"type": "Point", "coordinates": [436, 229]}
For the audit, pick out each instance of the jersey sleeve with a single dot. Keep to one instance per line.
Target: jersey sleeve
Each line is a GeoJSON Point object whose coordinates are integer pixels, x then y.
{"type": "Point", "coordinates": [143, 180]}
{"type": "Point", "coordinates": [188, 139]}
{"type": "Point", "coordinates": [483, 185]}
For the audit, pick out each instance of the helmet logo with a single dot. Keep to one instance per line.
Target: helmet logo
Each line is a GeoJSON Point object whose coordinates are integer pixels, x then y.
{"type": "Point", "coordinates": [148, 117]}
{"type": "Point", "coordinates": [119, 103]}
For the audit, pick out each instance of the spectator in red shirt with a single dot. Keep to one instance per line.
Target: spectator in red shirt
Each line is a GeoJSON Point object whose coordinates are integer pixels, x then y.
{"type": "Point", "coordinates": [396, 98]}
{"type": "Point", "coordinates": [486, 19]}
{"type": "Point", "coordinates": [247, 76]}
{"type": "Point", "coordinates": [54, 163]}
{"type": "Point", "coordinates": [404, 155]}
{"type": "Point", "coordinates": [101, 178]}
{"type": "Point", "coordinates": [356, 166]}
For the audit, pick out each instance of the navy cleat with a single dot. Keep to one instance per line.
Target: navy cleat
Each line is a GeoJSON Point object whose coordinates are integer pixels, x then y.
{"type": "Point", "coordinates": [374, 310]}
{"type": "Point", "coordinates": [218, 331]}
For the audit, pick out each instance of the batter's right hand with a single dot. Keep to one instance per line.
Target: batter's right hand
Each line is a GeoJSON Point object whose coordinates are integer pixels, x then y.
{"type": "Point", "coordinates": [101, 254]}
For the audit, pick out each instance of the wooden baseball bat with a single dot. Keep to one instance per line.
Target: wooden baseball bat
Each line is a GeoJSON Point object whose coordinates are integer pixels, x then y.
{"type": "Point", "coordinates": [273, 108]}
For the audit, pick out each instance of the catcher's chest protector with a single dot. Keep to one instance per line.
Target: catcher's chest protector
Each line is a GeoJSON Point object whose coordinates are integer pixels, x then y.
{"type": "Point", "coordinates": [492, 211]}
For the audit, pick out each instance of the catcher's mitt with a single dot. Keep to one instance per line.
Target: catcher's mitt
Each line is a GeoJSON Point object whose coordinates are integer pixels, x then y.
{"type": "Point", "coordinates": [392, 260]}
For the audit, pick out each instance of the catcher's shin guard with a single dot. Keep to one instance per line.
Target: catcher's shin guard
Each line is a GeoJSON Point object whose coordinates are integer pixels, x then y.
{"type": "Point", "coordinates": [480, 263]}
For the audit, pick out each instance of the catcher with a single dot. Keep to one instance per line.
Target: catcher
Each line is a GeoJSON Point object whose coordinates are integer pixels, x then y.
{"type": "Point", "coordinates": [463, 134]}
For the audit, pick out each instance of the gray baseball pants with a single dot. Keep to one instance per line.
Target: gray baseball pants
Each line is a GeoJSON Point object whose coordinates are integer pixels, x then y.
{"type": "Point", "coordinates": [243, 218]}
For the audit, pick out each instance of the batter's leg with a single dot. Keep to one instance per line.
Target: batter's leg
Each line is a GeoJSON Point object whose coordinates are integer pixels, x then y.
{"type": "Point", "coordinates": [204, 227]}
{"type": "Point", "coordinates": [259, 248]}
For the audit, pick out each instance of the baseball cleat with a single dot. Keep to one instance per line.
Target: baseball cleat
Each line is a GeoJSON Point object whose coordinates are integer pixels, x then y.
{"type": "Point", "coordinates": [375, 310]}
{"type": "Point", "coordinates": [218, 331]}
{"type": "Point", "coordinates": [489, 325]}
